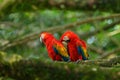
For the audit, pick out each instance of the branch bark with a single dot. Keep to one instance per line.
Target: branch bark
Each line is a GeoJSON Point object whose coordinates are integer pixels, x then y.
{"type": "Point", "coordinates": [95, 49]}
{"type": "Point", "coordinates": [106, 54]}
{"type": "Point", "coordinates": [103, 62]}
{"type": "Point", "coordinates": [9, 6]}
{"type": "Point", "coordinates": [35, 69]}
{"type": "Point", "coordinates": [89, 34]}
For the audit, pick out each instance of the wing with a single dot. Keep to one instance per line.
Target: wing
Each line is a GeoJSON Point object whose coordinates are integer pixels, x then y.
{"type": "Point", "coordinates": [61, 50]}
{"type": "Point", "coordinates": [82, 51]}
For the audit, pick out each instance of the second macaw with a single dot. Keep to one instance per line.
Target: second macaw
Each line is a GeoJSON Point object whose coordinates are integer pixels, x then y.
{"type": "Point", "coordinates": [56, 50]}
{"type": "Point", "coordinates": [76, 47]}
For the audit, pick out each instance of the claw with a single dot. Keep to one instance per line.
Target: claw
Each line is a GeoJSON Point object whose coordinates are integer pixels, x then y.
{"type": "Point", "coordinates": [78, 61]}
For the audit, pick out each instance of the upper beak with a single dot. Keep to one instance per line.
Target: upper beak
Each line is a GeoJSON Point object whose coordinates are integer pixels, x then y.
{"type": "Point", "coordinates": [66, 39]}
{"type": "Point", "coordinates": [40, 39]}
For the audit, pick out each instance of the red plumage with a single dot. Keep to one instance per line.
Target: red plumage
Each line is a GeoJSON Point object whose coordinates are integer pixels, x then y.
{"type": "Point", "coordinates": [55, 48]}
{"type": "Point", "coordinates": [76, 47]}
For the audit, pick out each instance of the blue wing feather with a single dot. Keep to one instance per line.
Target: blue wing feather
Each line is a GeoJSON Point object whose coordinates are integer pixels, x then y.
{"type": "Point", "coordinates": [81, 52]}
{"type": "Point", "coordinates": [63, 57]}
{"type": "Point", "coordinates": [56, 51]}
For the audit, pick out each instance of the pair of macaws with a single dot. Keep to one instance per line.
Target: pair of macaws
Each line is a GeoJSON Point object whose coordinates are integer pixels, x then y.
{"type": "Point", "coordinates": [69, 48]}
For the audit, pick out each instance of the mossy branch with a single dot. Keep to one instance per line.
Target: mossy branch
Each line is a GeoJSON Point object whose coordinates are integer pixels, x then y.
{"type": "Point", "coordinates": [106, 54]}
{"type": "Point", "coordinates": [103, 62]}
{"type": "Point", "coordinates": [35, 69]}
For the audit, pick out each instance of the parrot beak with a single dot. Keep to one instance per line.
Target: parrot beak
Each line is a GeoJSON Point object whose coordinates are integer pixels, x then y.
{"type": "Point", "coordinates": [40, 39]}
{"type": "Point", "coordinates": [66, 39]}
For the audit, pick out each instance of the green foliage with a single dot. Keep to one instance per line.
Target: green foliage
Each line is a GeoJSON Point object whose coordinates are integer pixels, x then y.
{"type": "Point", "coordinates": [1, 0]}
{"type": "Point", "coordinates": [17, 24]}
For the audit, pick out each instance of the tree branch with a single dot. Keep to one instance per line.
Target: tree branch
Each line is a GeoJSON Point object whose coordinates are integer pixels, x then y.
{"type": "Point", "coordinates": [106, 54]}
{"type": "Point", "coordinates": [60, 28]}
{"type": "Point", "coordinates": [95, 49]}
{"type": "Point", "coordinates": [103, 62]}
{"type": "Point", "coordinates": [89, 34]}
{"type": "Point", "coordinates": [32, 69]}
{"type": "Point", "coordinates": [9, 6]}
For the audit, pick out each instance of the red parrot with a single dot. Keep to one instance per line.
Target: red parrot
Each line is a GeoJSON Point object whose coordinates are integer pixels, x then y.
{"type": "Point", "coordinates": [76, 47]}
{"type": "Point", "coordinates": [56, 50]}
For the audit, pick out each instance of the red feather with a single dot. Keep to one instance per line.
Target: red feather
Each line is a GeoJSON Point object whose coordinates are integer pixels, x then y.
{"type": "Point", "coordinates": [73, 44]}
{"type": "Point", "coordinates": [55, 48]}
{"type": "Point", "coordinates": [49, 40]}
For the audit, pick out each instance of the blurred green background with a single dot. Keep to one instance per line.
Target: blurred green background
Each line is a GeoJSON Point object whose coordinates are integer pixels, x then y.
{"type": "Point", "coordinates": [21, 18]}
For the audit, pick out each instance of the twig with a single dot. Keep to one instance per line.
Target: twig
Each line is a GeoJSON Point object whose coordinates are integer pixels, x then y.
{"type": "Point", "coordinates": [109, 53]}
{"type": "Point", "coordinates": [5, 3]}
{"type": "Point", "coordinates": [115, 41]}
{"type": "Point", "coordinates": [103, 62]}
{"type": "Point", "coordinates": [84, 35]}
{"type": "Point", "coordinates": [89, 5]}
{"type": "Point", "coordinates": [114, 32]}
{"type": "Point", "coordinates": [95, 49]}
{"type": "Point", "coordinates": [98, 50]}
{"type": "Point", "coordinates": [58, 29]}
{"type": "Point", "coordinates": [8, 23]}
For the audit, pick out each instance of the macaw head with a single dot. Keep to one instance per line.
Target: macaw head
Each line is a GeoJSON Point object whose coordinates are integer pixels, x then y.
{"type": "Point", "coordinates": [68, 36]}
{"type": "Point", "coordinates": [45, 36]}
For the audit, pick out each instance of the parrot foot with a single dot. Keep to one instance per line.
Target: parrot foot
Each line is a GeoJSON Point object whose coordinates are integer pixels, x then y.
{"type": "Point", "coordinates": [78, 61]}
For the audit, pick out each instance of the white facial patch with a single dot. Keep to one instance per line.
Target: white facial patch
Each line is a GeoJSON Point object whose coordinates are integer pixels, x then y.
{"type": "Point", "coordinates": [42, 36]}
{"type": "Point", "coordinates": [65, 38]}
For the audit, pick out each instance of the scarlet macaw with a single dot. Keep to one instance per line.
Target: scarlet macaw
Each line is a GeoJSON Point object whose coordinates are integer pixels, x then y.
{"type": "Point", "coordinates": [56, 50]}
{"type": "Point", "coordinates": [76, 47]}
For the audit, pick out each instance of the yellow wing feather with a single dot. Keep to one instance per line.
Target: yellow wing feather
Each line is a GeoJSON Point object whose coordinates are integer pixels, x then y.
{"type": "Point", "coordinates": [61, 49]}
{"type": "Point", "coordinates": [85, 52]}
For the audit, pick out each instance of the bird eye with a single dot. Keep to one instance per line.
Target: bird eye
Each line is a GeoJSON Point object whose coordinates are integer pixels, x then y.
{"type": "Point", "coordinates": [66, 41]}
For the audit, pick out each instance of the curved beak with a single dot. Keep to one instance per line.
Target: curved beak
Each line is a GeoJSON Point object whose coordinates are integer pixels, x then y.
{"type": "Point", "coordinates": [41, 40]}
{"type": "Point", "coordinates": [42, 37]}
{"type": "Point", "coordinates": [66, 39]}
